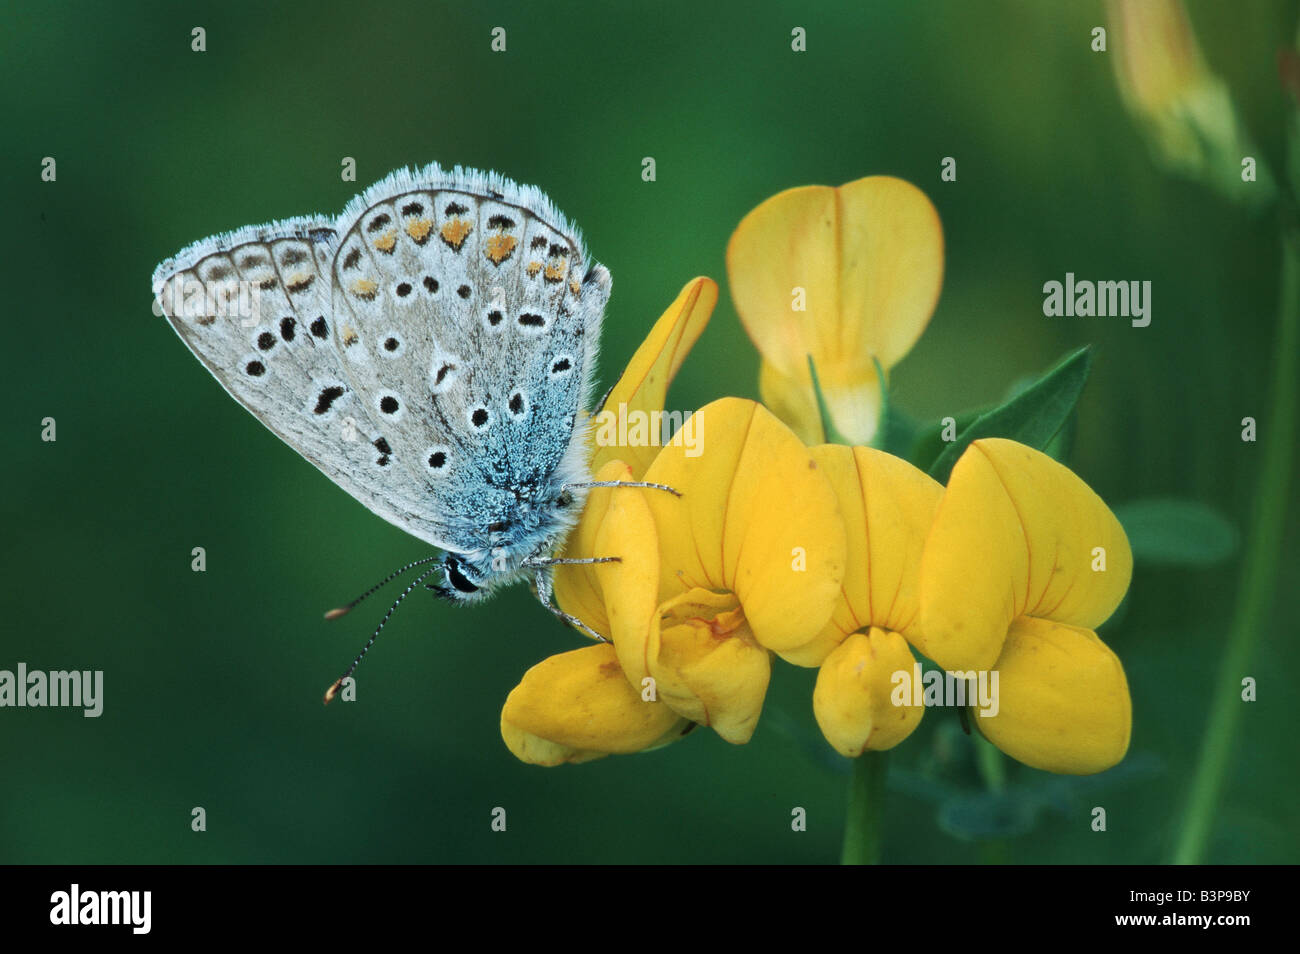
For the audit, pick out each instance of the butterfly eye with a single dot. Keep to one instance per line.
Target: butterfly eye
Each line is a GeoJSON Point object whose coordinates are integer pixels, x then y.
{"type": "Point", "coordinates": [499, 526]}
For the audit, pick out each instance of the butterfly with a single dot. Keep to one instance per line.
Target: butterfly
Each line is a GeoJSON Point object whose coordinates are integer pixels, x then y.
{"type": "Point", "coordinates": [431, 350]}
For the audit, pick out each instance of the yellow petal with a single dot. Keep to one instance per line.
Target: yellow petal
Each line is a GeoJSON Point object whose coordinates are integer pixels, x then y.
{"type": "Point", "coordinates": [756, 517]}
{"type": "Point", "coordinates": [888, 506]}
{"type": "Point", "coordinates": [630, 587]}
{"type": "Point", "coordinates": [791, 398]}
{"type": "Point", "coordinates": [864, 262]}
{"type": "Point", "coordinates": [706, 664]}
{"type": "Point", "coordinates": [1063, 701]}
{"type": "Point", "coordinates": [643, 386]}
{"type": "Point", "coordinates": [577, 587]}
{"type": "Point", "coordinates": [1016, 533]}
{"type": "Point", "coordinates": [854, 407]}
{"type": "Point", "coordinates": [857, 700]}
{"type": "Point", "coordinates": [577, 706]}
{"type": "Point", "coordinates": [814, 652]}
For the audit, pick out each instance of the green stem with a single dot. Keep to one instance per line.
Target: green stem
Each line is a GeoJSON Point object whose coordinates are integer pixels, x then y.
{"type": "Point", "coordinates": [989, 760]}
{"type": "Point", "coordinates": [1259, 568]}
{"type": "Point", "coordinates": [993, 770]}
{"type": "Point", "coordinates": [863, 826]}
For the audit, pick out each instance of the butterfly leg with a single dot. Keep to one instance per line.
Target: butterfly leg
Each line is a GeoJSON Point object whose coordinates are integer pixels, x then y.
{"type": "Point", "coordinates": [569, 561]}
{"type": "Point", "coordinates": [544, 597]}
{"type": "Point", "coordinates": [625, 483]}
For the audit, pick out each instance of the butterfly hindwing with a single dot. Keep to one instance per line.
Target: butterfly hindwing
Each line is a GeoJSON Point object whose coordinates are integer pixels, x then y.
{"type": "Point", "coordinates": [255, 307]}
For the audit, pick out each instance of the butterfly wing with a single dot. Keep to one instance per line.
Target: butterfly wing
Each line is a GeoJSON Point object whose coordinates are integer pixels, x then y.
{"type": "Point", "coordinates": [428, 351]}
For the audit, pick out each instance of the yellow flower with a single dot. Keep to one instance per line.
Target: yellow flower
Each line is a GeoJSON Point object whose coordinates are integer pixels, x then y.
{"type": "Point", "coordinates": [887, 507]}
{"type": "Point", "coordinates": [746, 561]}
{"type": "Point", "coordinates": [1022, 563]}
{"type": "Point", "coordinates": [844, 275]}
{"type": "Point", "coordinates": [751, 557]}
{"type": "Point", "coordinates": [838, 557]}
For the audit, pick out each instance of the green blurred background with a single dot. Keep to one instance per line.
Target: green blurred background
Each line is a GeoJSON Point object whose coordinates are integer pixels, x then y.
{"type": "Point", "coordinates": [213, 680]}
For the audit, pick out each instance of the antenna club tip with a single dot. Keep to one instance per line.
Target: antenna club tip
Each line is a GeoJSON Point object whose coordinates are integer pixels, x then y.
{"type": "Point", "coordinates": [332, 691]}
{"type": "Point", "coordinates": [337, 612]}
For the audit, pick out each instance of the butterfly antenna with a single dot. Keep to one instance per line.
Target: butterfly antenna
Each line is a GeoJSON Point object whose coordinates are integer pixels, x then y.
{"type": "Point", "coordinates": [345, 609]}
{"type": "Point", "coordinates": [333, 690]}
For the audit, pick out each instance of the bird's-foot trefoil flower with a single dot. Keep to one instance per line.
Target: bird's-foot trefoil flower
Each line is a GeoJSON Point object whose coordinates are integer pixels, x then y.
{"type": "Point", "coordinates": [887, 507]}
{"type": "Point", "coordinates": [744, 560]}
{"type": "Point", "coordinates": [848, 276]}
{"type": "Point", "coordinates": [749, 546]}
{"type": "Point", "coordinates": [1022, 563]}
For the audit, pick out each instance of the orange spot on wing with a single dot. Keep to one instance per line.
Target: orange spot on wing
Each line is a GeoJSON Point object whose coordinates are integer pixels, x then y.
{"type": "Point", "coordinates": [533, 268]}
{"type": "Point", "coordinates": [387, 241]}
{"type": "Point", "coordinates": [455, 231]}
{"type": "Point", "coordinates": [363, 288]}
{"type": "Point", "coordinates": [499, 247]}
{"type": "Point", "coordinates": [419, 229]}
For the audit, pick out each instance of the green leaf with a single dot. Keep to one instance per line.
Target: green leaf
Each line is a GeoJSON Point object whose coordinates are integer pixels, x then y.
{"type": "Point", "coordinates": [928, 442]}
{"type": "Point", "coordinates": [1059, 447]}
{"type": "Point", "coordinates": [1166, 531]}
{"type": "Point", "coordinates": [1033, 417]}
